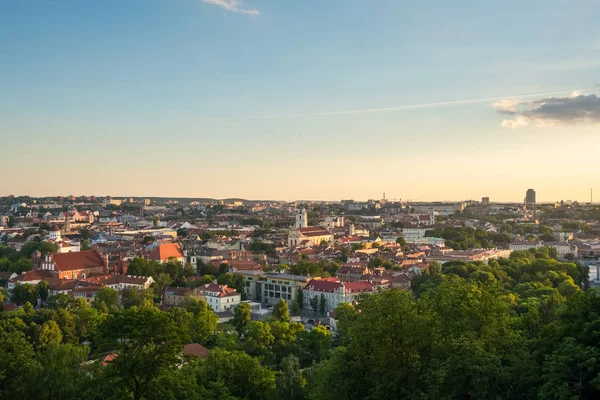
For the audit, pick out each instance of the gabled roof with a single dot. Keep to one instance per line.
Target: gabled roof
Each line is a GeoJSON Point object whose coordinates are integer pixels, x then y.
{"type": "Point", "coordinates": [195, 349]}
{"type": "Point", "coordinates": [358, 287]}
{"type": "Point", "coordinates": [329, 285]}
{"type": "Point", "coordinates": [33, 275]}
{"type": "Point", "coordinates": [164, 251]}
{"type": "Point", "coordinates": [221, 290]}
{"type": "Point", "coordinates": [78, 260]}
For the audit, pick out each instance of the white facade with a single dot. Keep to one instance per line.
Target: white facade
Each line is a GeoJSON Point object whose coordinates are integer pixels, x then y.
{"type": "Point", "coordinates": [54, 235]}
{"type": "Point", "coordinates": [412, 234]}
{"type": "Point", "coordinates": [220, 297]}
{"type": "Point", "coordinates": [562, 248]}
{"type": "Point", "coordinates": [301, 219]}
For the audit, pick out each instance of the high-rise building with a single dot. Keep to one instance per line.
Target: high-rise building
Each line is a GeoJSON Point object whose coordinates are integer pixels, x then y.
{"type": "Point", "coordinates": [485, 201]}
{"type": "Point", "coordinates": [530, 197]}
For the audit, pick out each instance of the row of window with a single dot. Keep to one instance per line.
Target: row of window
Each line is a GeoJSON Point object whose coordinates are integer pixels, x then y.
{"type": "Point", "coordinates": [278, 295]}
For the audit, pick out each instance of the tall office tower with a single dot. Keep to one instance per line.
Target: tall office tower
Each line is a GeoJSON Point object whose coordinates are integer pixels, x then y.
{"type": "Point", "coordinates": [530, 197]}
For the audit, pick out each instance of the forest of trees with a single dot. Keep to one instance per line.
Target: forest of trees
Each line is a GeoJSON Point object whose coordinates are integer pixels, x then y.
{"type": "Point", "coordinates": [525, 327]}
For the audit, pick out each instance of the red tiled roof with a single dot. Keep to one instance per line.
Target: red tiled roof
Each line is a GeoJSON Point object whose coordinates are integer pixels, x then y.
{"type": "Point", "coordinates": [114, 279]}
{"type": "Point", "coordinates": [110, 357]}
{"type": "Point", "coordinates": [164, 251]}
{"type": "Point", "coordinates": [34, 275]}
{"type": "Point", "coordinates": [78, 260]}
{"type": "Point", "coordinates": [358, 287]}
{"type": "Point", "coordinates": [195, 349]}
{"type": "Point", "coordinates": [324, 285]}
{"type": "Point", "coordinates": [8, 307]}
{"type": "Point", "coordinates": [61, 284]}
{"type": "Point", "coordinates": [221, 290]}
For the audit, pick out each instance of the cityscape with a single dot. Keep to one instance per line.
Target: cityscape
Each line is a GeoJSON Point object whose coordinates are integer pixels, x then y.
{"type": "Point", "coordinates": [255, 270]}
{"type": "Point", "coordinates": [299, 200]}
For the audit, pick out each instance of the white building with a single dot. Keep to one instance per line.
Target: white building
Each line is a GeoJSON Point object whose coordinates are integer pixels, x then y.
{"type": "Point", "coordinates": [332, 222]}
{"type": "Point", "coordinates": [562, 248]}
{"type": "Point", "coordinates": [413, 234]}
{"type": "Point", "coordinates": [333, 292]}
{"type": "Point", "coordinates": [220, 297]}
{"type": "Point", "coordinates": [302, 232]}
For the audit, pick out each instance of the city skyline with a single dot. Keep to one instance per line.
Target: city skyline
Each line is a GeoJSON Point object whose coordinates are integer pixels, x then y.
{"type": "Point", "coordinates": [258, 99]}
{"type": "Point", "coordinates": [376, 198]}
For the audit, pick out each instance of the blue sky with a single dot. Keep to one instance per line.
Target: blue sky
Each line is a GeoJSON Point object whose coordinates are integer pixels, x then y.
{"type": "Point", "coordinates": [163, 97]}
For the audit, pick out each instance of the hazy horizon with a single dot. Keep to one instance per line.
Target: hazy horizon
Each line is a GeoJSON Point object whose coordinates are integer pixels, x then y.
{"type": "Point", "coordinates": [312, 100]}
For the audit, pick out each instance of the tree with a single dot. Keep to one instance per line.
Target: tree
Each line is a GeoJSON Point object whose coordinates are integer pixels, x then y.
{"type": "Point", "coordinates": [16, 361]}
{"type": "Point", "coordinates": [24, 293]}
{"type": "Point", "coordinates": [258, 338]}
{"type": "Point", "coordinates": [314, 303]}
{"type": "Point", "coordinates": [241, 317]}
{"type": "Point", "coordinates": [147, 342]}
{"type": "Point", "coordinates": [572, 371]}
{"type": "Point", "coordinates": [109, 297]}
{"type": "Point", "coordinates": [59, 373]}
{"type": "Point", "coordinates": [60, 301]}
{"type": "Point", "coordinates": [281, 312]}
{"type": "Point", "coordinates": [241, 375]}
{"type": "Point", "coordinates": [43, 291]}
{"type": "Point", "coordinates": [401, 241]}
{"type": "Point", "coordinates": [315, 345]}
{"type": "Point", "coordinates": [291, 384]}
{"type": "Point", "coordinates": [50, 334]}
{"type": "Point", "coordinates": [285, 335]}
{"type": "Point", "coordinates": [204, 320]}
{"type": "Point", "coordinates": [131, 297]}
{"type": "Point", "coordinates": [322, 304]}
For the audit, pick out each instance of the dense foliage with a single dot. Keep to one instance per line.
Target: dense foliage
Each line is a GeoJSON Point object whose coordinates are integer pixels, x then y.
{"type": "Point", "coordinates": [518, 328]}
{"type": "Point", "coordinates": [469, 238]}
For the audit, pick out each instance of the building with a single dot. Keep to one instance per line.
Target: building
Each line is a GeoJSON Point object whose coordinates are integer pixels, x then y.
{"type": "Point", "coordinates": [54, 234]}
{"type": "Point", "coordinates": [220, 297]}
{"type": "Point", "coordinates": [301, 219]}
{"type": "Point", "coordinates": [348, 273]}
{"type": "Point", "coordinates": [176, 296]}
{"type": "Point", "coordinates": [163, 252]}
{"type": "Point", "coordinates": [269, 287]}
{"type": "Point", "coordinates": [332, 222]}
{"type": "Point", "coordinates": [413, 234]}
{"type": "Point", "coordinates": [442, 208]}
{"type": "Point", "coordinates": [302, 233]}
{"type": "Point", "coordinates": [120, 282]}
{"type": "Point", "coordinates": [530, 197]}
{"type": "Point", "coordinates": [485, 201]}
{"type": "Point", "coordinates": [562, 248]}
{"type": "Point", "coordinates": [483, 255]}
{"type": "Point", "coordinates": [74, 265]}
{"type": "Point", "coordinates": [332, 292]}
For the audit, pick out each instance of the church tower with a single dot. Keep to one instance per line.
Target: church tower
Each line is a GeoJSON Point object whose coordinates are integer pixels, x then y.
{"type": "Point", "coordinates": [301, 218]}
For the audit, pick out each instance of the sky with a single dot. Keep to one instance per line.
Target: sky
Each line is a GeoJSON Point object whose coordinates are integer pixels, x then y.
{"type": "Point", "coordinates": [312, 99]}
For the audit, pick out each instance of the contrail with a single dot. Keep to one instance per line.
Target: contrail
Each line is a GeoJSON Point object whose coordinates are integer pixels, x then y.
{"type": "Point", "coordinates": [403, 107]}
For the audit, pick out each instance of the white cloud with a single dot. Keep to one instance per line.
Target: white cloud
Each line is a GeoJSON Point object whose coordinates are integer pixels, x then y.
{"type": "Point", "coordinates": [233, 6]}
{"type": "Point", "coordinates": [507, 105]}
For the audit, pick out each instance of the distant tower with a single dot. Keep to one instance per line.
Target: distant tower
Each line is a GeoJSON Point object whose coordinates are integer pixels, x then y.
{"type": "Point", "coordinates": [485, 201]}
{"type": "Point", "coordinates": [530, 197]}
{"type": "Point", "coordinates": [301, 218]}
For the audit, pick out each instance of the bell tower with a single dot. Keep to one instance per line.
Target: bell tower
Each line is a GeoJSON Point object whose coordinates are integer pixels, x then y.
{"type": "Point", "coordinates": [301, 218]}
